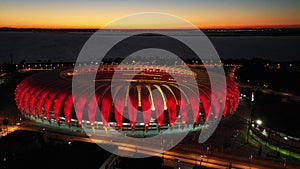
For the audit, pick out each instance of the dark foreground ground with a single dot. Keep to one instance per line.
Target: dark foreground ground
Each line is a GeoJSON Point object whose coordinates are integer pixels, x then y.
{"type": "Point", "coordinates": [26, 149]}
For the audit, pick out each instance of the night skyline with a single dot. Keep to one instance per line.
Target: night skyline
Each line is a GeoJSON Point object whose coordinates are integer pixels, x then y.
{"type": "Point", "coordinates": [204, 14]}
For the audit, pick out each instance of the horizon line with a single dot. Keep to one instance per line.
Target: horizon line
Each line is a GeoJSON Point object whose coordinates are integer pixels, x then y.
{"type": "Point", "coordinates": [206, 28]}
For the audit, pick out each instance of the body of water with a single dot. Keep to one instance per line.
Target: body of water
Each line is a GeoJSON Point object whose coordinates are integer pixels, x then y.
{"type": "Point", "coordinates": [34, 46]}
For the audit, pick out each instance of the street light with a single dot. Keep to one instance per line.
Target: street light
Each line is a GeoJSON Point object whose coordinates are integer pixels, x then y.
{"type": "Point", "coordinates": [259, 122]}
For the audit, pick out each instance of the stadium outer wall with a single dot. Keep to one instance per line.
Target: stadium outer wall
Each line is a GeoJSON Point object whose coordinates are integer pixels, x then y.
{"type": "Point", "coordinates": [157, 101]}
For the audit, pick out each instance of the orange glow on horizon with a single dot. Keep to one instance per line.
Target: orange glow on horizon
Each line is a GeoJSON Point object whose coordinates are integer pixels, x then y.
{"type": "Point", "coordinates": [99, 27]}
{"type": "Point", "coordinates": [87, 16]}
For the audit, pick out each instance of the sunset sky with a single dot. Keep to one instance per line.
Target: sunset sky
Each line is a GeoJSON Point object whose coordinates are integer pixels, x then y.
{"type": "Point", "coordinates": [96, 13]}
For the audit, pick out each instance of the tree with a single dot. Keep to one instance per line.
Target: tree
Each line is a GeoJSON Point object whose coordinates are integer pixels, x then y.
{"type": "Point", "coordinates": [277, 155]}
{"type": "Point", "coordinates": [259, 150]}
{"type": "Point", "coordinates": [5, 123]}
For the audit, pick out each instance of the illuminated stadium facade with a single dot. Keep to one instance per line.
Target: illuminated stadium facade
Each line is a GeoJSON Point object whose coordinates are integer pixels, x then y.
{"type": "Point", "coordinates": [156, 101]}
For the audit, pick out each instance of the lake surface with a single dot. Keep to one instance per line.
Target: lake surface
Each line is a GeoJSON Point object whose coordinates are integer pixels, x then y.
{"type": "Point", "coordinates": [55, 46]}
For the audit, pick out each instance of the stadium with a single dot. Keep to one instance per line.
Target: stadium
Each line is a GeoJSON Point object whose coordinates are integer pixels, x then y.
{"type": "Point", "coordinates": [151, 100]}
